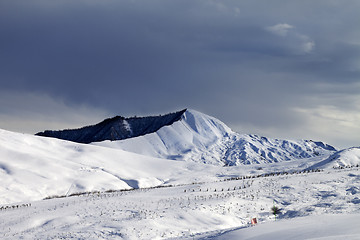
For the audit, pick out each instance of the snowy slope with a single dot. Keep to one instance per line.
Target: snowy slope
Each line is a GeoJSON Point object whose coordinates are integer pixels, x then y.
{"type": "Point", "coordinates": [32, 168]}
{"type": "Point", "coordinates": [344, 158]}
{"type": "Point", "coordinates": [200, 138]}
{"type": "Point", "coordinates": [329, 226]}
{"type": "Point", "coordinates": [196, 137]}
{"type": "Point", "coordinates": [314, 205]}
{"type": "Point", "coordinates": [199, 205]}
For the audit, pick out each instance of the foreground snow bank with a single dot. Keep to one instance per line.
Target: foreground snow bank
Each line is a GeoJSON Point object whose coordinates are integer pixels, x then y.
{"type": "Point", "coordinates": [329, 226]}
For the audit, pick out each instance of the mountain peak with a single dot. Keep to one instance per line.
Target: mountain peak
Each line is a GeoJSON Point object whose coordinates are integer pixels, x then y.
{"type": "Point", "coordinates": [190, 135]}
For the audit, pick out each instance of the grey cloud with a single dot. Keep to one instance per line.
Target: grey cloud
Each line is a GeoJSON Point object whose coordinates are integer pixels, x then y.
{"type": "Point", "coordinates": [145, 57]}
{"type": "Point", "coordinates": [34, 112]}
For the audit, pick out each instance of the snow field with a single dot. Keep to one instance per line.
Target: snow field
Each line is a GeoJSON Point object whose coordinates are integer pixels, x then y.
{"type": "Point", "coordinates": [193, 149]}
{"type": "Point", "coordinates": [187, 211]}
{"type": "Point", "coordinates": [316, 227]}
{"type": "Point", "coordinates": [190, 155]}
{"type": "Point", "coordinates": [32, 168]}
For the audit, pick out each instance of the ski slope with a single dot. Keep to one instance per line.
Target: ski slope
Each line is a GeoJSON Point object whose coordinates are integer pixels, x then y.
{"type": "Point", "coordinates": [32, 168]}
{"type": "Point", "coordinates": [328, 199]}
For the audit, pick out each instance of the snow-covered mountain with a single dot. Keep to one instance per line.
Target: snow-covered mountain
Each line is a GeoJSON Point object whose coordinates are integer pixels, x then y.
{"type": "Point", "coordinates": [200, 138]}
{"type": "Point", "coordinates": [34, 167]}
{"type": "Point", "coordinates": [349, 157]}
{"type": "Point", "coordinates": [196, 204]}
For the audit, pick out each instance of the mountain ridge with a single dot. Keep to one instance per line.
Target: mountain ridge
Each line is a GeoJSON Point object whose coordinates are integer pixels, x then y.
{"type": "Point", "coordinates": [189, 135]}
{"type": "Point", "coordinates": [193, 149]}
{"type": "Point", "coordinates": [348, 157]}
{"type": "Point", "coordinates": [201, 138]}
{"type": "Point", "coordinates": [116, 128]}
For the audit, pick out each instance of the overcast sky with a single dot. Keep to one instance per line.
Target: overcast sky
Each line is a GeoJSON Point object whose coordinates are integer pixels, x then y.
{"type": "Point", "coordinates": [283, 69]}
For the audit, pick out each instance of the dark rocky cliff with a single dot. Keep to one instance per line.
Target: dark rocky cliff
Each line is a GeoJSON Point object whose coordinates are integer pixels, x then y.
{"type": "Point", "coordinates": [116, 128]}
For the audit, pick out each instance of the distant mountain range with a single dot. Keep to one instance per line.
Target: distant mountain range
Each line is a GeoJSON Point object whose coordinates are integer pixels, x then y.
{"type": "Point", "coordinates": [190, 136]}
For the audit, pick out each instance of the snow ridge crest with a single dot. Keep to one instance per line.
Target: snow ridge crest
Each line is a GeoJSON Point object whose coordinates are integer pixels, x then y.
{"type": "Point", "coordinates": [197, 137]}
{"type": "Point", "coordinates": [116, 128]}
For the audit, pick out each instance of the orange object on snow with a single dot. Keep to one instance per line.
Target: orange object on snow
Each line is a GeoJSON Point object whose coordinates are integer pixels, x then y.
{"type": "Point", "coordinates": [253, 221]}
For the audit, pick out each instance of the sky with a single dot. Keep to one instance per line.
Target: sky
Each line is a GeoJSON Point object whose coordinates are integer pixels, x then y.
{"type": "Point", "coordinates": [280, 68]}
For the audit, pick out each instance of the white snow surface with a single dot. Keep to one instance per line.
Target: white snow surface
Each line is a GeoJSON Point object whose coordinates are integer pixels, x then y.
{"type": "Point", "coordinates": [314, 205]}
{"type": "Point", "coordinates": [127, 126]}
{"type": "Point", "coordinates": [196, 201]}
{"type": "Point", "coordinates": [343, 158]}
{"type": "Point", "coordinates": [327, 226]}
{"type": "Point", "coordinates": [32, 168]}
{"type": "Point", "coordinates": [198, 137]}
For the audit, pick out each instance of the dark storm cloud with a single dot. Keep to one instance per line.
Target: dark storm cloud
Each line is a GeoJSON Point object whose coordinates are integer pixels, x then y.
{"type": "Point", "coordinates": [246, 62]}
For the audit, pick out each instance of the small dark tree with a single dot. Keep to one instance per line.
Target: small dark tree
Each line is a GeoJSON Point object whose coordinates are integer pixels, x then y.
{"type": "Point", "coordinates": [275, 210]}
